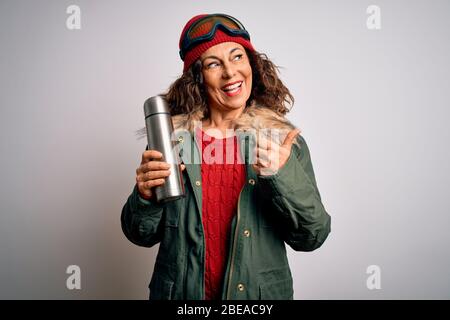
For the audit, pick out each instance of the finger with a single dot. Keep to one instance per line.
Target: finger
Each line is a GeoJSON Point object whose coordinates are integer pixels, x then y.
{"type": "Point", "coordinates": [146, 193]}
{"type": "Point", "coordinates": [291, 137]}
{"type": "Point", "coordinates": [183, 167]}
{"type": "Point", "coordinates": [152, 165]}
{"type": "Point", "coordinates": [263, 141]}
{"type": "Point", "coordinates": [155, 165]}
{"type": "Point", "coordinates": [268, 143]}
{"type": "Point", "coordinates": [149, 155]}
{"type": "Point", "coordinates": [263, 154]}
{"type": "Point", "coordinates": [272, 155]}
{"type": "Point", "coordinates": [256, 168]}
{"type": "Point", "coordinates": [151, 183]}
{"type": "Point", "coordinates": [262, 162]}
{"type": "Point", "coordinates": [154, 183]}
{"type": "Point", "coordinates": [152, 175]}
{"type": "Point", "coordinates": [146, 187]}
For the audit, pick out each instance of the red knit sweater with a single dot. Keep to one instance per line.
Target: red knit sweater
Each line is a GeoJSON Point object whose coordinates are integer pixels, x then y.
{"type": "Point", "coordinates": [222, 182]}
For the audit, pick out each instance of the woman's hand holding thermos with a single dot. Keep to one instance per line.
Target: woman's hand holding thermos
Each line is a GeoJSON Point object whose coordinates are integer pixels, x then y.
{"type": "Point", "coordinates": [151, 173]}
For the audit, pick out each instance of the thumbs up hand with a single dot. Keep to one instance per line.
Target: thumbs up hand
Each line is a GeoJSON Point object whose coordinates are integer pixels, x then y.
{"type": "Point", "coordinates": [270, 157]}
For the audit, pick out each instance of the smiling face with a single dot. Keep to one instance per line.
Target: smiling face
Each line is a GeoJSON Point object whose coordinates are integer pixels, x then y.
{"type": "Point", "coordinates": [227, 76]}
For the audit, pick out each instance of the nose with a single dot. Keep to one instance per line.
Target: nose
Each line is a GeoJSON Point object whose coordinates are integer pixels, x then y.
{"type": "Point", "coordinates": [228, 71]}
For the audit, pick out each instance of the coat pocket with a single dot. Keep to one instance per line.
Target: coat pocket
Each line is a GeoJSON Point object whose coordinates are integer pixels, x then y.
{"type": "Point", "coordinates": [276, 284]}
{"type": "Point", "coordinates": [277, 290]}
{"type": "Point", "coordinates": [160, 288]}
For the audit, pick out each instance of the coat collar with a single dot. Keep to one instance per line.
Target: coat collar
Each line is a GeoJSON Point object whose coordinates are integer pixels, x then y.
{"type": "Point", "coordinates": [254, 120]}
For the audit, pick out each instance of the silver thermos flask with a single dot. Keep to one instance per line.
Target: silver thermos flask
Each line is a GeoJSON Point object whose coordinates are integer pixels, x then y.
{"type": "Point", "coordinates": [158, 123]}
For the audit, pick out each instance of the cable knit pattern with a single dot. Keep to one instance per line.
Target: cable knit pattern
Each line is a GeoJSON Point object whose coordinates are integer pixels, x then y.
{"type": "Point", "coordinates": [222, 183]}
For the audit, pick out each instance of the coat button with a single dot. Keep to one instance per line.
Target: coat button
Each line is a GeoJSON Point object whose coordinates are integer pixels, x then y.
{"type": "Point", "coordinates": [197, 183]}
{"type": "Point", "coordinates": [180, 139]}
{"type": "Point", "coordinates": [240, 287]}
{"type": "Point", "coordinates": [252, 182]}
{"type": "Point", "coordinates": [246, 233]}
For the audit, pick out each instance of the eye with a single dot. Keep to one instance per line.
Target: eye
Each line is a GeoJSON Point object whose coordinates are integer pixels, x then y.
{"type": "Point", "coordinates": [212, 65]}
{"type": "Point", "coordinates": [238, 57]}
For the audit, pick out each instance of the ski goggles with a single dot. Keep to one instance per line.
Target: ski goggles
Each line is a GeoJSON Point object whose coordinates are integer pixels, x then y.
{"type": "Point", "coordinates": [205, 28]}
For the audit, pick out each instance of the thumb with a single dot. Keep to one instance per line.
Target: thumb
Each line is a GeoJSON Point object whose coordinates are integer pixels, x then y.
{"type": "Point", "coordinates": [183, 167]}
{"type": "Point", "coordinates": [289, 140]}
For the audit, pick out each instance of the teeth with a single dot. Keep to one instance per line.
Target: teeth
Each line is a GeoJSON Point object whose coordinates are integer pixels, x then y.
{"type": "Point", "coordinates": [234, 86]}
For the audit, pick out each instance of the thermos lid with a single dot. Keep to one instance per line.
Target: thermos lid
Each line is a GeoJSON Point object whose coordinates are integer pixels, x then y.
{"type": "Point", "coordinates": [154, 105]}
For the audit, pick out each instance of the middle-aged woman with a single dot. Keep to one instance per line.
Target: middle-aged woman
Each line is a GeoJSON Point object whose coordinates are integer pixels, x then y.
{"type": "Point", "coordinates": [252, 190]}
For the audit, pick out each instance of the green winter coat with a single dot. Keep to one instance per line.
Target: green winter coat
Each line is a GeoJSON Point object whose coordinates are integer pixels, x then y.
{"type": "Point", "coordinates": [272, 210]}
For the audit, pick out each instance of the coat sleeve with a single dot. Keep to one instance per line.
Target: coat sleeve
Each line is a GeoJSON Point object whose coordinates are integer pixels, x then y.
{"type": "Point", "coordinates": [296, 201]}
{"type": "Point", "coordinates": [141, 220]}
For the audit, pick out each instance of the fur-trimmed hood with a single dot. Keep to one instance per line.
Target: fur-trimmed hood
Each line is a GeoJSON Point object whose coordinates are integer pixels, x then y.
{"type": "Point", "coordinates": [258, 118]}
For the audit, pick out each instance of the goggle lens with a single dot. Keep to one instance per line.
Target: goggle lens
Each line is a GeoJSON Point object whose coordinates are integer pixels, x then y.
{"type": "Point", "coordinates": [206, 25]}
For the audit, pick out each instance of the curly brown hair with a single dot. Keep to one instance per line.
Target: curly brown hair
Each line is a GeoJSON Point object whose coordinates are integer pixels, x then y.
{"type": "Point", "coordinates": [187, 94]}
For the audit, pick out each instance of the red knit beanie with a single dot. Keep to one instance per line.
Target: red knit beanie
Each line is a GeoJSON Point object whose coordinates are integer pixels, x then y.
{"type": "Point", "coordinates": [194, 53]}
